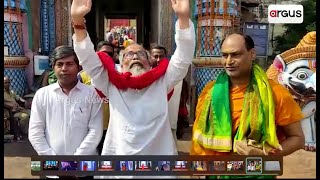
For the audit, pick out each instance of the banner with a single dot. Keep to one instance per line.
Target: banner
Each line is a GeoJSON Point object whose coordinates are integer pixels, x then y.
{"type": "Point", "coordinates": [259, 33]}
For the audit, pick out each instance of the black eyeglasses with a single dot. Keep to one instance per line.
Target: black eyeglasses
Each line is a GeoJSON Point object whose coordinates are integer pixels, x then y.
{"type": "Point", "coordinates": [140, 54]}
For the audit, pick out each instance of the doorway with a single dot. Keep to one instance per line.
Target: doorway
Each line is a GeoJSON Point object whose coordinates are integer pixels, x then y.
{"type": "Point", "coordinates": [120, 31]}
{"type": "Point", "coordinates": [137, 12]}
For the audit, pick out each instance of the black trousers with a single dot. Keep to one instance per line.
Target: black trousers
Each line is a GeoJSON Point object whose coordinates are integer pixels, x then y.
{"type": "Point", "coordinates": [14, 127]}
{"type": "Point", "coordinates": [180, 126]}
{"type": "Point", "coordinates": [100, 146]}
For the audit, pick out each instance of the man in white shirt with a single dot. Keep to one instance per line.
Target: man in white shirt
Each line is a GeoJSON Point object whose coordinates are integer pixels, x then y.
{"type": "Point", "coordinates": [157, 53]}
{"type": "Point", "coordinates": [66, 117]}
{"type": "Point", "coordinates": [139, 123]}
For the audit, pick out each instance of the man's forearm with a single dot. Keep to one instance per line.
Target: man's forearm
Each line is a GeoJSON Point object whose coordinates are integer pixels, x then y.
{"type": "Point", "coordinates": [37, 138]}
{"type": "Point", "coordinates": [88, 58]}
{"type": "Point", "coordinates": [185, 40]}
{"type": "Point", "coordinates": [90, 143]}
{"type": "Point", "coordinates": [80, 34]}
{"type": "Point", "coordinates": [183, 55]}
{"type": "Point", "coordinates": [292, 144]}
{"type": "Point", "coordinates": [94, 135]}
{"type": "Point", "coordinates": [184, 23]}
{"type": "Point", "coordinates": [40, 145]}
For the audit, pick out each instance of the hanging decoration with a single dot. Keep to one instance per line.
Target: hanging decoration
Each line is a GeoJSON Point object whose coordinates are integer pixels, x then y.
{"type": "Point", "coordinates": [215, 19]}
{"type": "Point", "coordinates": [61, 22]}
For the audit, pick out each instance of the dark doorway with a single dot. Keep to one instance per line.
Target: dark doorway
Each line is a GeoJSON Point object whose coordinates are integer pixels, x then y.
{"type": "Point", "coordinates": [119, 9]}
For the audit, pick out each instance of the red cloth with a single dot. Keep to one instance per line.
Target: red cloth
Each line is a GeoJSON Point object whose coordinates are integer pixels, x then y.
{"type": "Point", "coordinates": [105, 98]}
{"type": "Point", "coordinates": [183, 111]}
{"type": "Point", "coordinates": [170, 94]}
{"type": "Point", "coordinates": [125, 80]}
{"type": "Point", "coordinates": [102, 96]}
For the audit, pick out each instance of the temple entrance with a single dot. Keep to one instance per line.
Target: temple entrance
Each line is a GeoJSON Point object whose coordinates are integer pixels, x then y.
{"type": "Point", "coordinates": [106, 14]}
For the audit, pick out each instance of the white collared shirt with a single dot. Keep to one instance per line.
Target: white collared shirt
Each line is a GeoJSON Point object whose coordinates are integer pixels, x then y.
{"type": "Point", "coordinates": [63, 124]}
{"type": "Point", "coordinates": [139, 122]}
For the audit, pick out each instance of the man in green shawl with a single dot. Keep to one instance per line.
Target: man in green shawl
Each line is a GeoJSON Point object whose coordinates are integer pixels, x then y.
{"type": "Point", "coordinates": [243, 112]}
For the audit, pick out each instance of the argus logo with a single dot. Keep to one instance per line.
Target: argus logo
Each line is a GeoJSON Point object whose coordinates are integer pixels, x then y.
{"type": "Point", "coordinates": [285, 14]}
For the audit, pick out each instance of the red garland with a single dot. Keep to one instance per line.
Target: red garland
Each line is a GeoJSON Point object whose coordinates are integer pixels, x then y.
{"type": "Point", "coordinates": [125, 80]}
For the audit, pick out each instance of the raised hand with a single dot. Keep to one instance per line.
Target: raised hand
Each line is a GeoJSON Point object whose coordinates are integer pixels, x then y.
{"type": "Point", "coordinates": [79, 8]}
{"type": "Point", "coordinates": [181, 8]}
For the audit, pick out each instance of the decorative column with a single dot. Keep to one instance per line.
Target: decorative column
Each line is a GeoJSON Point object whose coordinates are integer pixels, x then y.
{"type": "Point", "coordinates": [15, 61]}
{"type": "Point", "coordinates": [55, 24]}
{"type": "Point", "coordinates": [47, 16]}
{"type": "Point", "coordinates": [166, 30]}
{"type": "Point", "coordinates": [213, 20]}
{"type": "Point", "coordinates": [62, 22]}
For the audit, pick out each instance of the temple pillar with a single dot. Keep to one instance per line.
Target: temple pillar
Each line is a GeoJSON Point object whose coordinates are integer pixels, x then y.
{"type": "Point", "coordinates": [27, 43]}
{"type": "Point", "coordinates": [166, 29]}
{"type": "Point", "coordinates": [47, 18]}
{"type": "Point", "coordinates": [15, 60]}
{"type": "Point", "coordinates": [214, 19]}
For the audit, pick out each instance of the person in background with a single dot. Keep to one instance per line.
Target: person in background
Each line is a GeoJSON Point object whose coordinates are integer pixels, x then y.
{"type": "Point", "coordinates": [119, 66]}
{"type": "Point", "coordinates": [103, 46]}
{"type": "Point", "coordinates": [116, 49]}
{"type": "Point", "coordinates": [48, 77]}
{"type": "Point", "coordinates": [15, 110]}
{"type": "Point", "coordinates": [158, 53]}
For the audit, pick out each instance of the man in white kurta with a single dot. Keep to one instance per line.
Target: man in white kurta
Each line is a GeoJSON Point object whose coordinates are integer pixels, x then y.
{"type": "Point", "coordinates": [66, 123]}
{"type": "Point", "coordinates": [139, 122]}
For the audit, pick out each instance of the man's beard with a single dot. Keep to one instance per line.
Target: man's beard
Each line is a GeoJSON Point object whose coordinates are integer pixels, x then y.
{"type": "Point", "coordinates": [137, 70]}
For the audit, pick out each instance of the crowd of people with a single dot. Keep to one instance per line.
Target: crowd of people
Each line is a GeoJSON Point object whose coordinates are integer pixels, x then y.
{"type": "Point", "coordinates": [133, 108]}
{"type": "Point", "coordinates": [121, 36]}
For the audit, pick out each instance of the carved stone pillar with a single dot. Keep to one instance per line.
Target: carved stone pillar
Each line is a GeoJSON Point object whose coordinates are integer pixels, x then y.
{"type": "Point", "coordinates": [15, 61]}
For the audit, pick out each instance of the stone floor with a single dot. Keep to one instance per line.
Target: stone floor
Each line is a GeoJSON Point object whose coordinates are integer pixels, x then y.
{"type": "Point", "coordinates": [301, 164]}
